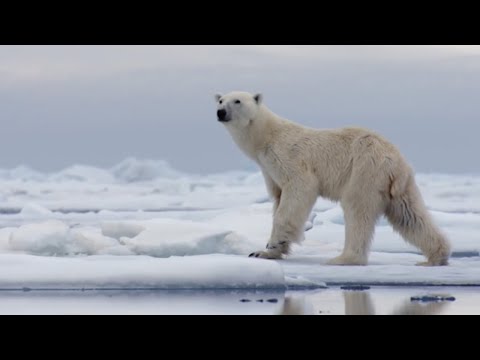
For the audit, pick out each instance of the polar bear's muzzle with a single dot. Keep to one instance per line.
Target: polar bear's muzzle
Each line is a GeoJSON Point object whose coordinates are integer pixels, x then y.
{"type": "Point", "coordinates": [222, 115]}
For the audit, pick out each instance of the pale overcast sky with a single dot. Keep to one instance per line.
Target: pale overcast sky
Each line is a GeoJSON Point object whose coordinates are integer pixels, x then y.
{"type": "Point", "coordinates": [97, 105]}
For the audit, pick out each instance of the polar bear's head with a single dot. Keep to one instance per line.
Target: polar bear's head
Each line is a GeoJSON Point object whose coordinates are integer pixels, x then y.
{"type": "Point", "coordinates": [237, 109]}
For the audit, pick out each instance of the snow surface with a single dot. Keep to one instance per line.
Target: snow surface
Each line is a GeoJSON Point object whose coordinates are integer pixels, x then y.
{"type": "Point", "coordinates": [144, 224]}
{"type": "Point", "coordinates": [138, 272]}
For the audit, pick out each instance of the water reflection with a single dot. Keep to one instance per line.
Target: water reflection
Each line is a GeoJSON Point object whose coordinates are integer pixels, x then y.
{"type": "Point", "coordinates": [391, 301]}
{"type": "Point", "coordinates": [295, 306]}
{"type": "Point", "coordinates": [358, 303]}
{"type": "Point", "coordinates": [415, 308]}
{"type": "Point", "coordinates": [355, 303]}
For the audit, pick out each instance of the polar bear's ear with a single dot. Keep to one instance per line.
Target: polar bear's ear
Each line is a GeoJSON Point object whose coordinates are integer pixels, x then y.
{"type": "Point", "coordinates": [218, 97]}
{"type": "Point", "coordinates": [258, 98]}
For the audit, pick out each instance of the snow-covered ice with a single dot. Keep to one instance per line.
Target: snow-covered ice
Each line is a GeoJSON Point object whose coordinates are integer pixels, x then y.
{"type": "Point", "coordinates": [142, 223]}
{"type": "Point", "coordinates": [138, 272]}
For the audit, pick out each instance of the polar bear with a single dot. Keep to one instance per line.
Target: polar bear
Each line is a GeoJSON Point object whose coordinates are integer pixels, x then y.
{"type": "Point", "coordinates": [353, 166]}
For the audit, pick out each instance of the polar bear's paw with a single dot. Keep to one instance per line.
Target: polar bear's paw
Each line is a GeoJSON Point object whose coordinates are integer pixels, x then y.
{"type": "Point", "coordinates": [433, 263]}
{"type": "Point", "coordinates": [266, 255]}
{"type": "Point", "coordinates": [347, 261]}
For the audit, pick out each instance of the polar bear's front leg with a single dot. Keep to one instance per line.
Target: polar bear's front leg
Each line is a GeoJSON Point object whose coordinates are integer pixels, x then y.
{"type": "Point", "coordinates": [296, 203]}
{"type": "Point", "coordinates": [273, 190]}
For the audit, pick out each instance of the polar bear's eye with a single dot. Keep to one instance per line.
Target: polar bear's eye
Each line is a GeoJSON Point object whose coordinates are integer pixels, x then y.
{"type": "Point", "coordinates": [237, 101]}
{"type": "Point", "coordinates": [221, 101]}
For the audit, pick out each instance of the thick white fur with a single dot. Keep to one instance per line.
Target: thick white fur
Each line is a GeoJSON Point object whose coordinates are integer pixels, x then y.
{"type": "Point", "coordinates": [354, 166]}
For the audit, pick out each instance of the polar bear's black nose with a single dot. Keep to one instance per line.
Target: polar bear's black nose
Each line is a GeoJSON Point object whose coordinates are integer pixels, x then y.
{"type": "Point", "coordinates": [221, 114]}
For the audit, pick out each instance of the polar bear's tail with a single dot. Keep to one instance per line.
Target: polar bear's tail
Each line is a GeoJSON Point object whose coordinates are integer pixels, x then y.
{"type": "Point", "coordinates": [409, 216]}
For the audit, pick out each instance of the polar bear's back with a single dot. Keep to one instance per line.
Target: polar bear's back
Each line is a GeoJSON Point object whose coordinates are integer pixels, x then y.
{"type": "Point", "coordinates": [375, 161]}
{"type": "Point", "coordinates": [339, 157]}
